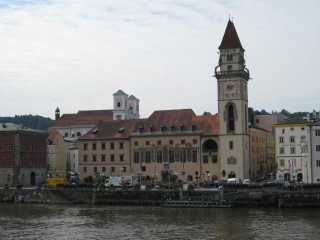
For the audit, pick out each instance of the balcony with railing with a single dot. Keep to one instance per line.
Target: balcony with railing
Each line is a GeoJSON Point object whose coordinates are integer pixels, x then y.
{"type": "Point", "coordinates": [244, 73]}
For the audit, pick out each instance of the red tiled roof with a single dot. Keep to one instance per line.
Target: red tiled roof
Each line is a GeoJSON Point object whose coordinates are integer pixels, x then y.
{"type": "Point", "coordinates": [207, 125]}
{"type": "Point", "coordinates": [230, 38]}
{"type": "Point", "coordinates": [84, 117]}
{"type": "Point", "coordinates": [89, 113]}
{"type": "Point", "coordinates": [171, 116]}
{"type": "Point", "coordinates": [114, 129]}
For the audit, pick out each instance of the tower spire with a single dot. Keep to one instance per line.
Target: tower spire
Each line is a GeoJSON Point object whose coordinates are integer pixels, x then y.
{"type": "Point", "coordinates": [230, 38]}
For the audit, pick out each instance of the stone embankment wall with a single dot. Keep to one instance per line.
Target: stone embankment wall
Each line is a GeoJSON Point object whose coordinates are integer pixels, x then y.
{"type": "Point", "coordinates": [237, 196]}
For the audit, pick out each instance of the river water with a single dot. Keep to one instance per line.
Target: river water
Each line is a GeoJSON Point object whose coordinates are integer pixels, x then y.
{"type": "Point", "coordinates": [86, 222]}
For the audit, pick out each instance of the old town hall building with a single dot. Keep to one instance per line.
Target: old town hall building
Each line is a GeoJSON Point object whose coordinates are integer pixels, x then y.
{"type": "Point", "coordinates": [191, 147]}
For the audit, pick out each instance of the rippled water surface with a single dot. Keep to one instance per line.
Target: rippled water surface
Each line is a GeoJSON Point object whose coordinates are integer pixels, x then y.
{"type": "Point", "coordinates": [85, 222]}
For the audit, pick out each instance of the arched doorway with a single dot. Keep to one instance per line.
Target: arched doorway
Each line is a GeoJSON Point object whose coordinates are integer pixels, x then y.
{"type": "Point", "coordinates": [210, 151]}
{"type": "Point", "coordinates": [32, 179]}
{"type": "Point", "coordinates": [232, 174]}
{"type": "Point", "coordinates": [299, 177]}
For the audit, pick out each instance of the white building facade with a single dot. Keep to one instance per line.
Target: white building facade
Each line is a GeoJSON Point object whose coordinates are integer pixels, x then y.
{"type": "Point", "coordinates": [293, 152]}
{"type": "Point", "coordinates": [315, 151]}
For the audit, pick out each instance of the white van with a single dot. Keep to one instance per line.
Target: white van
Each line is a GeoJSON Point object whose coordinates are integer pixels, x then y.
{"type": "Point", "coordinates": [233, 181]}
{"type": "Point", "coordinates": [113, 181]}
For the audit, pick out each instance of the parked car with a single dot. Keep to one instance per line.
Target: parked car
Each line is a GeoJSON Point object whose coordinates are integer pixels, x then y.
{"type": "Point", "coordinates": [155, 188]}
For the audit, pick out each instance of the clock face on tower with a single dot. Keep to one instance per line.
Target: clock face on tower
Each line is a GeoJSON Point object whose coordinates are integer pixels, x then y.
{"type": "Point", "coordinates": [229, 87]}
{"type": "Point", "coordinates": [230, 90]}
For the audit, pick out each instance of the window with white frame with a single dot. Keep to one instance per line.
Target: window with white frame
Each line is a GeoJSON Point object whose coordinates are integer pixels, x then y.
{"type": "Point", "coordinates": [318, 163]}
{"type": "Point", "coordinates": [281, 139]}
{"type": "Point", "coordinates": [281, 150]}
{"type": "Point", "coordinates": [292, 150]}
{"type": "Point", "coordinates": [292, 139]}
{"type": "Point", "coordinates": [318, 132]}
{"type": "Point", "coordinates": [318, 148]}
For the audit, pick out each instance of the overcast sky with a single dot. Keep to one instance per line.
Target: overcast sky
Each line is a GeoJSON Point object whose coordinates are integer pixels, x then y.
{"type": "Point", "coordinates": [76, 53]}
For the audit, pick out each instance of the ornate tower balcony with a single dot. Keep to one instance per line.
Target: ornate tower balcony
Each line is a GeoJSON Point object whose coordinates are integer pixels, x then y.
{"type": "Point", "coordinates": [244, 73]}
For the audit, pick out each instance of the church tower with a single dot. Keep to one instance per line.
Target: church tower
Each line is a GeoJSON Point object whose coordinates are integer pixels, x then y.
{"type": "Point", "coordinates": [232, 76]}
{"type": "Point", "coordinates": [57, 113]}
{"type": "Point", "coordinates": [120, 105]}
{"type": "Point", "coordinates": [124, 106]}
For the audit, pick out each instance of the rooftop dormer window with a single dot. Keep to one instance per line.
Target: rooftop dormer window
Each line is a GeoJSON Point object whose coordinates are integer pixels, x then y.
{"type": "Point", "coordinates": [119, 104]}
{"type": "Point", "coordinates": [141, 129]}
{"type": "Point", "coordinates": [163, 128]}
{"type": "Point", "coordinates": [121, 130]}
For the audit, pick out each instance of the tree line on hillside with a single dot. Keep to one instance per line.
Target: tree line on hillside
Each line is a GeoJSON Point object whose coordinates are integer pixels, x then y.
{"type": "Point", "coordinates": [30, 121]}
{"type": "Point", "coordinates": [283, 112]}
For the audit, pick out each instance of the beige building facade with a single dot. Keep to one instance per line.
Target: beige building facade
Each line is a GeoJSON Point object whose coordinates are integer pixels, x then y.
{"type": "Point", "coordinates": [104, 156]}
{"type": "Point", "coordinates": [190, 157]}
{"type": "Point", "coordinates": [170, 141]}
{"type": "Point", "coordinates": [57, 155]}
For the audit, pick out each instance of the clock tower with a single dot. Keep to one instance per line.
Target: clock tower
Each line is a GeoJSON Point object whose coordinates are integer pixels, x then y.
{"type": "Point", "coordinates": [232, 76]}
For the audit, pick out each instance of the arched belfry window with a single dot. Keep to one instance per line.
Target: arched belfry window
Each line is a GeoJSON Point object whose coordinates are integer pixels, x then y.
{"type": "Point", "coordinates": [231, 118]}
